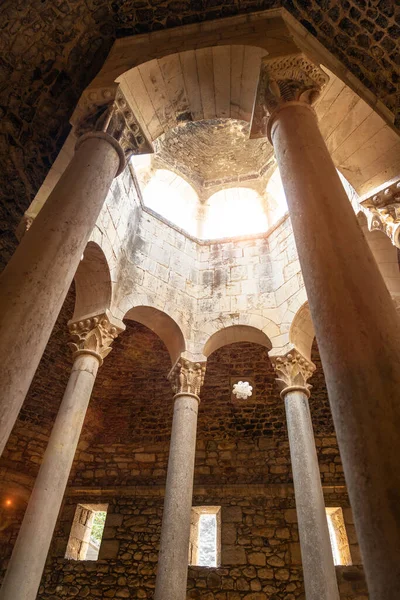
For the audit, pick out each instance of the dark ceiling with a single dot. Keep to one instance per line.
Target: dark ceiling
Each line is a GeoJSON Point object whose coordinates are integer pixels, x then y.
{"type": "Point", "coordinates": [51, 49]}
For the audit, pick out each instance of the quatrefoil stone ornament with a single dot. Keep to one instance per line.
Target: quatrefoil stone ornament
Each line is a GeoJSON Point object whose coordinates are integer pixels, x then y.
{"type": "Point", "coordinates": [242, 390]}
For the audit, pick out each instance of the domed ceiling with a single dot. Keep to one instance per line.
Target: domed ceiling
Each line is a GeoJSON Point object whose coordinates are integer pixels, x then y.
{"type": "Point", "coordinates": [51, 51]}
{"type": "Point", "coordinates": [215, 153]}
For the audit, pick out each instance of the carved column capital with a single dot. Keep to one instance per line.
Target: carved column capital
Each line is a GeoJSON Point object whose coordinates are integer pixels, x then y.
{"type": "Point", "coordinates": [288, 79]}
{"type": "Point", "coordinates": [293, 371]}
{"type": "Point", "coordinates": [93, 336]}
{"type": "Point", "coordinates": [106, 113]}
{"type": "Point", "coordinates": [187, 377]}
{"type": "Point", "coordinates": [385, 208]}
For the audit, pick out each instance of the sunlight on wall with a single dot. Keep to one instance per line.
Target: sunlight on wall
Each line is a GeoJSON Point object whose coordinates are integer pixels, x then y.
{"type": "Point", "coordinates": [173, 198]}
{"type": "Point", "coordinates": [233, 212]}
{"type": "Point", "coordinates": [228, 213]}
{"type": "Point", "coordinates": [276, 199]}
{"type": "Point", "coordinates": [277, 205]}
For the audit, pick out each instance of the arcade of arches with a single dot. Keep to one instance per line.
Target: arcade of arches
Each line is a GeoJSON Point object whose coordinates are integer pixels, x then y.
{"type": "Point", "coordinates": [200, 317]}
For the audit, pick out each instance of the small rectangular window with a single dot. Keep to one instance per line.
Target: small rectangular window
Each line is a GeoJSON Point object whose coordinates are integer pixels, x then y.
{"type": "Point", "coordinates": [205, 536]}
{"type": "Point", "coordinates": [338, 536]}
{"type": "Point", "coordinates": [86, 532]}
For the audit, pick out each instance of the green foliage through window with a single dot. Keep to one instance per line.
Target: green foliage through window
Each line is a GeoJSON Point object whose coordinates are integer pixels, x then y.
{"type": "Point", "coordinates": [98, 527]}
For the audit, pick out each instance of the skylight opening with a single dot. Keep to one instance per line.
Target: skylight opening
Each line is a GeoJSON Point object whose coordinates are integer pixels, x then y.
{"type": "Point", "coordinates": [235, 212]}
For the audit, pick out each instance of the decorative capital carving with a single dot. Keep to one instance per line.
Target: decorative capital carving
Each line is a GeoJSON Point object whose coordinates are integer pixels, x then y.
{"type": "Point", "coordinates": [93, 336]}
{"type": "Point", "coordinates": [106, 113]}
{"type": "Point", "coordinates": [293, 371]}
{"type": "Point", "coordinates": [187, 377]}
{"type": "Point", "coordinates": [385, 204]}
{"type": "Point", "coordinates": [286, 79]}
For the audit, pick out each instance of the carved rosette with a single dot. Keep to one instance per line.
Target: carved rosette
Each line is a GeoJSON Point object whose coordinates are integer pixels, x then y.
{"type": "Point", "coordinates": [93, 336]}
{"type": "Point", "coordinates": [286, 79]}
{"type": "Point", "coordinates": [106, 113]}
{"type": "Point", "coordinates": [187, 377]}
{"type": "Point", "coordinates": [293, 371]}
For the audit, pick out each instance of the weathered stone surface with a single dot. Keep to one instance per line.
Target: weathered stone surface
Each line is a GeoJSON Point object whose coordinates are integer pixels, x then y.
{"type": "Point", "coordinates": [51, 52]}
{"type": "Point", "coordinates": [134, 571]}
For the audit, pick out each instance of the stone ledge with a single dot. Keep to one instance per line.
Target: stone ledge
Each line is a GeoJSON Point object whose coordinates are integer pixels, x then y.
{"type": "Point", "coordinates": [248, 490]}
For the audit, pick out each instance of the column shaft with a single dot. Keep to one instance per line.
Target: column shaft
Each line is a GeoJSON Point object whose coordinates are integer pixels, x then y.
{"type": "Point", "coordinates": [174, 547]}
{"type": "Point", "coordinates": [28, 559]}
{"type": "Point", "coordinates": [358, 335]}
{"type": "Point", "coordinates": [318, 568]}
{"type": "Point", "coordinates": [34, 284]}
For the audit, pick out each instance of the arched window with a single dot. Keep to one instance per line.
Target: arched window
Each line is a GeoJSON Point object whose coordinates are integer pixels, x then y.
{"type": "Point", "coordinates": [234, 212]}
{"type": "Point", "coordinates": [173, 198]}
{"type": "Point", "coordinates": [276, 199]}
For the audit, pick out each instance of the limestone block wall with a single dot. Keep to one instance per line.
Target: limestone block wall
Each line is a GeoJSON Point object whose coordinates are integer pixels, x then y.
{"type": "Point", "coordinates": [158, 268]}
{"type": "Point", "coordinates": [203, 286]}
{"type": "Point", "coordinates": [260, 556]}
{"type": "Point", "coordinates": [255, 281]}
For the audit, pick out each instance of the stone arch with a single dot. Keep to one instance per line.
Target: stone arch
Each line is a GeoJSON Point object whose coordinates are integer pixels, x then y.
{"type": "Point", "coordinates": [92, 283]}
{"type": "Point", "coordinates": [385, 253]}
{"type": "Point", "coordinates": [193, 85]}
{"type": "Point", "coordinates": [171, 196]}
{"type": "Point", "coordinates": [233, 334]}
{"type": "Point", "coordinates": [212, 325]}
{"type": "Point", "coordinates": [163, 325]}
{"type": "Point", "coordinates": [302, 334]}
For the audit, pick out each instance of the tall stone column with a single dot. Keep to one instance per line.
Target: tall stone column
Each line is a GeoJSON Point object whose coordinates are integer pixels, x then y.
{"type": "Point", "coordinates": [356, 325]}
{"type": "Point", "coordinates": [320, 582]}
{"type": "Point", "coordinates": [187, 379]}
{"type": "Point", "coordinates": [91, 343]}
{"type": "Point", "coordinates": [34, 284]}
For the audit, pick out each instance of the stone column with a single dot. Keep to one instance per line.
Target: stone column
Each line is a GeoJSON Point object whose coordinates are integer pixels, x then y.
{"type": "Point", "coordinates": [34, 284]}
{"type": "Point", "coordinates": [91, 343]}
{"type": "Point", "coordinates": [320, 582]}
{"type": "Point", "coordinates": [171, 582]}
{"type": "Point", "coordinates": [356, 325]}
{"type": "Point", "coordinates": [202, 211]}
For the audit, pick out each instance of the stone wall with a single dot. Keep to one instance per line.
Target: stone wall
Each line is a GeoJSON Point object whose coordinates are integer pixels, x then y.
{"type": "Point", "coordinates": [260, 549]}
{"type": "Point", "coordinates": [205, 286]}
{"type": "Point", "coordinates": [51, 51]}
{"type": "Point", "coordinates": [125, 439]}
{"type": "Point", "coordinates": [125, 443]}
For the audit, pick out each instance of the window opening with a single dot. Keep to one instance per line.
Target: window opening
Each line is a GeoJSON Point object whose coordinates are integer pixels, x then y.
{"type": "Point", "coordinates": [205, 536]}
{"type": "Point", "coordinates": [338, 536]}
{"type": "Point", "coordinates": [86, 532]}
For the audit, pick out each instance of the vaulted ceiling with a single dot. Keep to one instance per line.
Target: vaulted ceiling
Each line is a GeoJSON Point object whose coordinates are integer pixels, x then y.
{"type": "Point", "coordinates": [176, 99]}
{"type": "Point", "coordinates": [51, 51]}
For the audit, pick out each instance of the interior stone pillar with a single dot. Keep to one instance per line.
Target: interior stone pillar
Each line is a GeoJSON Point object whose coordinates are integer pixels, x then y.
{"type": "Point", "coordinates": [202, 212]}
{"type": "Point", "coordinates": [91, 343]}
{"type": "Point", "coordinates": [171, 582]}
{"type": "Point", "coordinates": [356, 325]}
{"type": "Point", "coordinates": [320, 582]}
{"type": "Point", "coordinates": [34, 284]}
